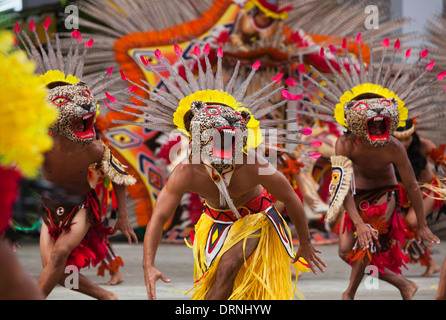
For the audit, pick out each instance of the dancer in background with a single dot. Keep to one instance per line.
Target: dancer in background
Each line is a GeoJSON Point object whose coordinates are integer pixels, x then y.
{"type": "Point", "coordinates": [73, 233]}
{"type": "Point", "coordinates": [371, 105]}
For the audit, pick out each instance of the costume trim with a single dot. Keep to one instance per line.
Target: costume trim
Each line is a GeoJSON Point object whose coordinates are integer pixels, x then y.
{"type": "Point", "coordinates": [224, 219]}
{"type": "Point", "coordinates": [391, 233]}
{"type": "Point", "coordinates": [405, 133]}
{"type": "Point", "coordinates": [112, 168]}
{"type": "Point", "coordinates": [341, 179]}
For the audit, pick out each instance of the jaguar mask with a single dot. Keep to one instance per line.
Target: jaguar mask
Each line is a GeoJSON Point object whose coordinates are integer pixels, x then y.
{"type": "Point", "coordinates": [219, 133]}
{"type": "Point", "coordinates": [373, 119]}
{"type": "Point", "coordinates": [77, 111]}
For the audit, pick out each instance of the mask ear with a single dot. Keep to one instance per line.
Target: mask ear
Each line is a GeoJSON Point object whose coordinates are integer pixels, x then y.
{"type": "Point", "coordinates": [196, 106]}
{"type": "Point", "coordinates": [394, 101]}
{"type": "Point", "coordinates": [348, 105]}
{"type": "Point", "coordinates": [246, 115]}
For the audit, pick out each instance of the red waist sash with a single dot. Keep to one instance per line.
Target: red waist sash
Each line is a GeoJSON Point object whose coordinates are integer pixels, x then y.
{"type": "Point", "coordinates": [258, 204]}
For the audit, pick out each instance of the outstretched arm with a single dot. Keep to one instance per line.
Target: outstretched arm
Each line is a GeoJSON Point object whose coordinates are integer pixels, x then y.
{"type": "Point", "coordinates": [123, 224]}
{"type": "Point", "coordinates": [276, 184]}
{"type": "Point", "coordinates": [407, 175]}
{"type": "Point", "coordinates": [165, 206]}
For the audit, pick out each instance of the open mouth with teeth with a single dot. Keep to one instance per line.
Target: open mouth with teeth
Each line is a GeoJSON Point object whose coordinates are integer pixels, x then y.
{"type": "Point", "coordinates": [83, 127]}
{"type": "Point", "coordinates": [223, 142]}
{"type": "Point", "coordinates": [378, 128]}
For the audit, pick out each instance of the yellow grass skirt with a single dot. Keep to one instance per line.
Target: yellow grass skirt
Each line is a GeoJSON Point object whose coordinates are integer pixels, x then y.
{"type": "Point", "coordinates": [266, 275]}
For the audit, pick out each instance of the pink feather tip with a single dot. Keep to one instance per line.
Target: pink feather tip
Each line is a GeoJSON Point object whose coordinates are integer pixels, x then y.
{"type": "Point", "coordinates": [358, 38]}
{"type": "Point", "coordinates": [397, 44]}
{"type": "Point", "coordinates": [430, 65]}
{"type": "Point", "coordinates": [79, 36]}
{"type": "Point", "coordinates": [31, 26]}
{"type": "Point", "coordinates": [111, 98]}
{"type": "Point", "coordinates": [177, 50]}
{"type": "Point", "coordinates": [386, 42]}
{"type": "Point", "coordinates": [16, 27]}
{"type": "Point", "coordinates": [197, 51]}
{"type": "Point", "coordinates": [123, 76]}
{"type": "Point", "coordinates": [344, 43]}
{"type": "Point", "coordinates": [315, 155]}
{"type": "Point", "coordinates": [306, 131]}
{"type": "Point", "coordinates": [290, 82]}
{"type": "Point", "coordinates": [220, 52]}
{"type": "Point", "coordinates": [256, 65]}
{"type": "Point", "coordinates": [89, 43]}
{"type": "Point", "coordinates": [109, 71]}
{"type": "Point", "coordinates": [441, 75]}
{"type": "Point", "coordinates": [408, 52]}
{"type": "Point", "coordinates": [277, 78]}
{"type": "Point", "coordinates": [144, 60]}
{"type": "Point", "coordinates": [301, 68]}
{"type": "Point", "coordinates": [74, 33]}
{"type": "Point", "coordinates": [322, 52]}
{"type": "Point", "coordinates": [105, 102]}
{"type": "Point", "coordinates": [132, 88]}
{"type": "Point", "coordinates": [47, 23]}
{"type": "Point", "coordinates": [287, 95]}
{"type": "Point", "coordinates": [158, 54]}
{"type": "Point", "coordinates": [207, 49]}
{"type": "Point", "coordinates": [316, 143]}
{"type": "Point", "coordinates": [424, 53]}
{"type": "Point", "coordinates": [332, 48]}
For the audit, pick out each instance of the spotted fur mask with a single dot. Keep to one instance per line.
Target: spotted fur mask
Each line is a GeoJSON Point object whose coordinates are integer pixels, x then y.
{"type": "Point", "coordinates": [219, 133]}
{"type": "Point", "coordinates": [77, 111]}
{"type": "Point", "coordinates": [373, 120]}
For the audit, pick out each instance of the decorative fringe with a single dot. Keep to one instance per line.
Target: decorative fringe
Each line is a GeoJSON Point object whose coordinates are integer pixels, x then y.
{"type": "Point", "coordinates": [113, 169]}
{"type": "Point", "coordinates": [92, 249]}
{"type": "Point", "coordinates": [393, 231]}
{"type": "Point", "coordinates": [112, 266]}
{"type": "Point", "coordinates": [341, 181]}
{"type": "Point", "coordinates": [265, 275]}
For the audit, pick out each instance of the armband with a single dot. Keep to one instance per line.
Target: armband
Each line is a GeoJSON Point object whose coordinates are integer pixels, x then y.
{"type": "Point", "coordinates": [341, 179]}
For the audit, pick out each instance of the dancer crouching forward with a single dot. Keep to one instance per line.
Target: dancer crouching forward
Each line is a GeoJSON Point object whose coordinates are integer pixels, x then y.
{"type": "Point", "coordinates": [73, 233]}
{"type": "Point", "coordinates": [242, 247]}
{"type": "Point", "coordinates": [371, 105]}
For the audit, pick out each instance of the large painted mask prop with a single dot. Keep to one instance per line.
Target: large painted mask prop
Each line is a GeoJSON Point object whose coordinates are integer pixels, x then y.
{"type": "Point", "coordinates": [77, 111]}
{"type": "Point", "coordinates": [373, 120]}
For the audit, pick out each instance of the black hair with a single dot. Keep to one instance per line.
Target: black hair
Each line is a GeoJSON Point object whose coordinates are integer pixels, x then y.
{"type": "Point", "coordinates": [416, 159]}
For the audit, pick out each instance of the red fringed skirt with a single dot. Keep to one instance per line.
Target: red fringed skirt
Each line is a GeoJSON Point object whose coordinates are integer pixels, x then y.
{"type": "Point", "coordinates": [391, 233]}
{"type": "Point", "coordinates": [58, 217]}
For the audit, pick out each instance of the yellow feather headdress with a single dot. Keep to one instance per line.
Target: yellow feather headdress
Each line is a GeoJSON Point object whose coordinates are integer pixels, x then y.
{"type": "Point", "coordinates": [410, 85]}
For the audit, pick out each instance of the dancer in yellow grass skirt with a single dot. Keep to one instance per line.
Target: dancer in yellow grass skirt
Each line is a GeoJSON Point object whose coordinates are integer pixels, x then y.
{"type": "Point", "coordinates": [254, 280]}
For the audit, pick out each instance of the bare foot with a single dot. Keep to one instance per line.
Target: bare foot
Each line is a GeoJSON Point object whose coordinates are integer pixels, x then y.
{"type": "Point", "coordinates": [433, 267]}
{"type": "Point", "coordinates": [116, 278]}
{"type": "Point", "coordinates": [347, 296]}
{"type": "Point", "coordinates": [408, 289]}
